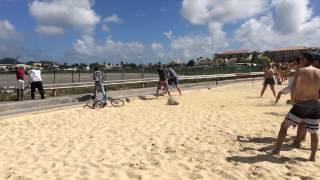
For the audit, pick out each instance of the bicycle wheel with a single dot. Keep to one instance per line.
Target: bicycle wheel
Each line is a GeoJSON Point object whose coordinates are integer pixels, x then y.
{"type": "Point", "coordinates": [116, 102]}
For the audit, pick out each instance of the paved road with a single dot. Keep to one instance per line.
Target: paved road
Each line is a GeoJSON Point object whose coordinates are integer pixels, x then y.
{"type": "Point", "coordinates": [9, 79]}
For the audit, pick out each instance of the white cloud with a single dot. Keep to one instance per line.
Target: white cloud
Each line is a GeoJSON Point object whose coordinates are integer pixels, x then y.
{"type": "Point", "coordinates": [7, 30]}
{"type": "Point", "coordinates": [158, 50]}
{"type": "Point", "coordinates": [204, 11]}
{"type": "Point", "coordinates": [55, 16]}
{"type": "Point", "coordinates": [113, 19]}
{"type": "Point", "coordinates": [109, 50]}
{"type": "Point", "coordinates": [218, 36]}
{"type": "Point", "coordinates": [216, 13]}
{"type": "Point", "coordinates": [168, 34]}
{"type": "Point", "coordinates": [290, 14]}
{"type": "Point", "coordinates": [109, 20]}
{"type": "Point", "coordinates": [9, 39]}
{"type": "Point", "coordinates": [267, 32]}
{"type": "Point", "coordinates": [192, 46]}
{"type": "Point", "coordinates": [48, 29]}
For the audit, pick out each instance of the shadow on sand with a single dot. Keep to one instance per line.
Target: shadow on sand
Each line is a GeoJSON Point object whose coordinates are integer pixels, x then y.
{"type": "Point", "coordinates": [84, 98]}
{"type": "Point", "coordinates": [144, 98]}
{"type": "Point", "coordinates": [268, 157]}
{"type": "Point", "coordinates": [276, 114]}
{"type": "Point", "coordinates": [260, 140]}
{"type": "Point", "coordinates": [253, 97]}
{"type": "Point", "coordinates": [258, 158]}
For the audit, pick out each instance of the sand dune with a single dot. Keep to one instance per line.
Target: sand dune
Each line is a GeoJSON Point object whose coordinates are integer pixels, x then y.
{"type": "Point", "coordinates": [222, 133]}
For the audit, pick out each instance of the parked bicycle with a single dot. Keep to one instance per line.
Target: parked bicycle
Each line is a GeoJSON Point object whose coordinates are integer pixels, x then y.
{"type": "Point", "coordinates": [93, 103]}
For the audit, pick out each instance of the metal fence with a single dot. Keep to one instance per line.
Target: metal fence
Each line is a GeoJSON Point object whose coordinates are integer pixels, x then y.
{"type": "Point", "coordinates": [63, 77]}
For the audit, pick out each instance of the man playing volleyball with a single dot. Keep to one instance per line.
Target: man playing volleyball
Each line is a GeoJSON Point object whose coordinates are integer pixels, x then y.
{"type": "Point", "coordinates": [163, 81]}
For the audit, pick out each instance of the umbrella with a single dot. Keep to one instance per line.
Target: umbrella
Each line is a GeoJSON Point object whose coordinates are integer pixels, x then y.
{"type": "Point", "coordinates": [22, 65]}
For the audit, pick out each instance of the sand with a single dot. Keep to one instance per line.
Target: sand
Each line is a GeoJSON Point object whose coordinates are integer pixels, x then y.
{"type": "Point", "coordinates": [222, 133]}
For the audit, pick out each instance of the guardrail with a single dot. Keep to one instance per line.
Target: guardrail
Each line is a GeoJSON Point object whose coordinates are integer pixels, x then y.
{"type": "Point", "coordinates": [217, 77]}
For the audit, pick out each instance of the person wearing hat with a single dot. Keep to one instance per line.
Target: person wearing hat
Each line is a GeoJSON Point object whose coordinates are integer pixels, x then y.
{"type": "Point", "coordinates": [20, 82]}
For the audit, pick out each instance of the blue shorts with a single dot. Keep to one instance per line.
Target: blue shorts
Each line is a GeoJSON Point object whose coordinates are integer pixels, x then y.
{"type": "Point", "coordinates": [173, 81]}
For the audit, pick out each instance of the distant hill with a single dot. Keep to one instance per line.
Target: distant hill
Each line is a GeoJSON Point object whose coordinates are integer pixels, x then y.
{"type": "Point", "coordinates": [8, 61]}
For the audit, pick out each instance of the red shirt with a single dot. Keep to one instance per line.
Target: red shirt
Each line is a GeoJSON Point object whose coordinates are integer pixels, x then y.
{"type": "Point", "coordinates": [20, 73]}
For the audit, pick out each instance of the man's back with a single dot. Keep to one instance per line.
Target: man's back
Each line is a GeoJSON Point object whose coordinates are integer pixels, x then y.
{"type": "Point", "coordinates": [307, 84]}
{"type": "Point", "coordinates": [20, 73]}
{"type": "Point", "coordinates": [35, 75]}
{"type": "Point", "coordinates": [172, 73]}
{"type": "Point", "coordinates": [162, 75]}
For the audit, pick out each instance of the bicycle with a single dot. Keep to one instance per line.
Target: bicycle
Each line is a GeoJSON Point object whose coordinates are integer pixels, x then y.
{"type": "Point", "coordinates": [93, 103]}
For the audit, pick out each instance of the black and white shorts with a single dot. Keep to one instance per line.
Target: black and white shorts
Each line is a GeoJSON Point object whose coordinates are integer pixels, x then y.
{"type": "Point", "coordinates": [306, 112]}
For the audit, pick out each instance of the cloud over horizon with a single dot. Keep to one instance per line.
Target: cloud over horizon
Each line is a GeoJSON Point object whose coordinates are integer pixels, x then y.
{"type": "Point", "coordinates": [56, 16]}
{"type": "Point", "coordinates": [9, 39]}
{"type": "Point", "coordinates": [83, 29]}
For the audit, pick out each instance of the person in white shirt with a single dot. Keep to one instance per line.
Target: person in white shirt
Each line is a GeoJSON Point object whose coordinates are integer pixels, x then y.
{"type": "Point", "coordinates": [98, 84]}
{"type": "Point", "coordinates": [36, 82]}
{"type": "Point", "coordinates": [290, 75]}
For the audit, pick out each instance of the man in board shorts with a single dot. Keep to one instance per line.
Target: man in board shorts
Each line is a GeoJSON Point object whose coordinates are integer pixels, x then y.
{"type": "Point", "coordinates": [163, 81]}
{"type": "Point", "coordinates": [268, 80]}
{"type": "Point", "coordinates": [306, 108]}
{"type": "Point", "coordinates": [302, 132]}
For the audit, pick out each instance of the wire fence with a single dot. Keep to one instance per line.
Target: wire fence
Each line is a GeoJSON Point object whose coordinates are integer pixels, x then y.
{"type": "Point", "coordinates": [64, 77]}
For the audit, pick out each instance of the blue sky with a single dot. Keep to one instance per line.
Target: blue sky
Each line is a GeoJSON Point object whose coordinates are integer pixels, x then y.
{"type": "Point", "coordinates": [151, 30]}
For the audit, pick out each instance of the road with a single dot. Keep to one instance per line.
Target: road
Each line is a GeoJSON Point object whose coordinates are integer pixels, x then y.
{"type": "Point", "coordinates": [10, 79]}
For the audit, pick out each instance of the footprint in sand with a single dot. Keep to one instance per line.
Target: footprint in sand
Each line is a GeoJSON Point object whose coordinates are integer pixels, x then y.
{"type": "Point", "coordinates": [132, 175]}
{"type": "Point", "coordinates": [169, 150]}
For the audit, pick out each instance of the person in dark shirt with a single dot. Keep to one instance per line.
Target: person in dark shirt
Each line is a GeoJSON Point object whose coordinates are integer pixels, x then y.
{"type": "Point", "coordinates": [163, 80]}
{"type": "Point", "coordinates": [20, 82]}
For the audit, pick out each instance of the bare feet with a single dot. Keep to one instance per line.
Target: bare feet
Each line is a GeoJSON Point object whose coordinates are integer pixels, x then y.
{"type": "Point", "coordinates": [312, 159]}
{"type": "Point", "coordinates": [295, 144]}
{"type": "Point", "coordinates": [275, 152]}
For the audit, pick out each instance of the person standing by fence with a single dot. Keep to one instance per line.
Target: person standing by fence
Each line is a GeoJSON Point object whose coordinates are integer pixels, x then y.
{"type": "Point", "coordinates": [98, 84]}
{"type": "Point", "coordinates": [20, 82]}
{"type": "Point", "coordinates": [36, 82]}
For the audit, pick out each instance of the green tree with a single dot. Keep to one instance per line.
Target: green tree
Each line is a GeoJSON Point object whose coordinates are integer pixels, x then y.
{"type": "Point", "coordinates": [94, 65]}
{"type": "Point", "coordinates": [191, 63]}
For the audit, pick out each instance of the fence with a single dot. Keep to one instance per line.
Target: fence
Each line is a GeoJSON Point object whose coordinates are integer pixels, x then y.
{"type": "Point", "coordinates": [63, 77]}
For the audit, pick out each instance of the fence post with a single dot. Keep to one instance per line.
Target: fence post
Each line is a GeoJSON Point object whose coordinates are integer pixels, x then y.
{"type": "Point", "coordinates": [79, 75]}
{"type": "Point", "coordinates": [122, 76]}
{"type": "Point", "coordinates": [54, 75]}
{"type": "Point", "coordinates": [73, 80]}
{"type": "Point", "coordinates": [142, 74]}
{"type": "Point", "coordinates": [122, 73]}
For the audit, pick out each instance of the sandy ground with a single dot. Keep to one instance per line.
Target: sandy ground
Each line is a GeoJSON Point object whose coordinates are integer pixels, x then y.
{"type": "Point", "coordinates": [221, 133]}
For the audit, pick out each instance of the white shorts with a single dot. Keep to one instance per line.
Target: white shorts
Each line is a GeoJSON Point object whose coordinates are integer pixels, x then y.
{"type": "Point", "coordinates": [20, 84]}
{"type": "Point", "coordinates": [286, 90]}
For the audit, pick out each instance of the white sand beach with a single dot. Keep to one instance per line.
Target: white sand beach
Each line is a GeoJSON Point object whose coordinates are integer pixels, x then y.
{"type": "Point", "coordinates": [221, 133]}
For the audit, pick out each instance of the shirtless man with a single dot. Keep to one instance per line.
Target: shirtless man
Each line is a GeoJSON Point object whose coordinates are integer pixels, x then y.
{"type": "Point", "coordinates": [268, 80]}
{"type": "Point", "coordinates": [306, 108]}
{"type": "Point", "coordinates": [302, 131]}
